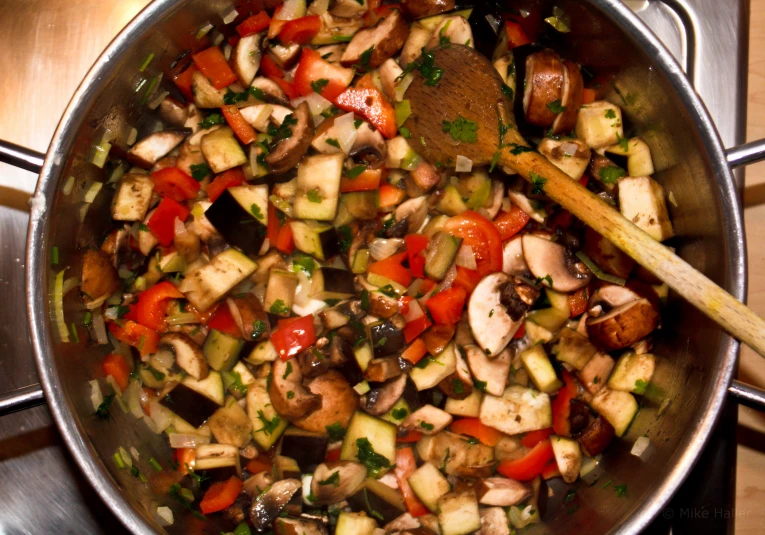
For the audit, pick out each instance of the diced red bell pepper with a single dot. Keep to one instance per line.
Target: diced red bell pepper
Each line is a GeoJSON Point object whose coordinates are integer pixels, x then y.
{"type": "Point", "coordinates": [577, 302]}
{"type": "Point", "coordinates": [151, 308]}
{"type": "Point", "coordinates": [411, 436]}
{"type": "Point", "coordinates": [287, 87]}
{"type": "Point", "coordinates": [389, 196]}
{"type": "Point", "coordinates": [446, 306]}
{"type": "Point", "coordinates": [268, 67]}
{"type": "Point", "coordinates": [184, 458]}
{"type": "Point", "coordinates": [510, 223]}
{"type": "Point", "coordinates": [415, 351]}
{"type": "Point", "coordinates": [532, 438]}
{"type": "Point", "coordinates": [561, 405]}
{"type": "Point", "coordinates": [214, 66]}
{"type": "Point", "coordinates": [584, 181]}
{"type": "Point", "coordinates": [520, 332]}
{"type": "Point", "coordinates": [292, 336]}
{"type": "Point", "coordinates": [233, 40]}
{"type": "Point", "coordinates": [243, 130]}
{"type": "Point", "coordinates": [367, 180]}
{"type": "Point", "coordinates": [588, 96]}
{"type": "Point", "coordinates": [332, 455]}
{"type": "Point", "coordinates": [515, 35]}
{"type": "Point", "coordinates": [403, 304]}
{"type": "Point", "coordinates": [529, 466]}
{"type": "Point", "coordinates": [313, 67]}
{"type": "Point", "coordinates": [405, 467]}
{"type": "Point", "coordinates": [370, 17]}
{"type": "Point", "coordinates": [227, 179]}
{"type": "Point", "coordinates": [220, 495]}
{"type": "Point", "coordinates": [415, 328]}
{"type": "Point", "coordinates": [224, 322]}
{"type": "Point", "coordinates": [551, 470]}
{"type": "Point", "coordinates": [258, 465]}
{"type": "Point", "coordinates": [276, 23]}
{"type": "Point", "coordinates": [531, 24]}
{"type": "Point", "coordinates": [162, 222]}
{"type": "Point", "coordinates": [174, 184]}
{"type": "Point", "coordinates": [392, 269]}
{"type": "Point", "coordinates": [369, 102]}
{"type": "Point", "coordinates": [301, 30]}
{"type": "Point", "coordinates": [144, 339]}
{"type": "Point", "coordinates": [474, 428]}
{"type": "Point", "coordinates": [254, 24]}
{"type": "Point", "coordinates": [482, 236]}
{"type": "Point", "coordinates": [285, 243]}
{"type": "Point", "coordinates": [116, 366]}
{"type": "Point", "coordinates": [562, 219]}
{"type": "Point", "coordinates": [467, 279]}
{"type": "Point", "coordinates": [183, 82]}
{"type": "Point", "coordinates": [415, 247]}
{"type": "Point", "coordinates": [280, 234]}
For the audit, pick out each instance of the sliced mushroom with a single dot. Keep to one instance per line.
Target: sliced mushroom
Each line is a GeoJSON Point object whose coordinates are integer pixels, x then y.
{"type": "Point", "coordinates": [492, 371]}
{"type": "Point", "coordinates": [502, 492]}
{"type": "Point", "coordinates": [597, 436]}
{"type": "Point", "coordinates": [459, 384]}
{"type": "Point", "coordinates": [254, 320]}
{"type": "Point", "coordinates": [438, 337]}
{"type": "Point", "coordinates": [256, 484]}
{"type": "Point", "coordinates": [454, 29]}
{"type": "Point", "coordinates": [245, 57]}
{"type": "Point", "coordinates": [285, 56]}
{"type": "Point", "coordinates": [493, 521]}
{"type": "Point", "coordinates": [543, 86]}
{"type": "Point", "coordinates": [380, 370]}
{"type": "Point", "coordinates": [99, 276]}
{"type": "Point", "coordinates": [286, 378]}
{"type": "Point", "coordinates": [370, 146]}
{"type": "Point", "coordinates": [425, 176]}
{"type": "Point", "coordinates": [401, 523]}
{"type": "Point", "coordinates": [428, 420]}
{"type": "Point", "coordinates": [188, 354]}
{"type": "Point", "coordinates": [146, 152]}
{"type": "Point", "coordinates": [417, 9]}
{"type": "Point", "coordinates": [334, 481]}
{"type": "Point", "coordinates": [331, 53]}
{"type": "Point", "coordinates": [381, 399]}
{"type": "Point", "coordinates": [553, 265]}
{"type": "Point", "coordinates": [299, 526]}
{"type": "Point", "coordinates": [338, 402]}
{"type": "Point", "coordinates": [189, 153]}
{"type": "Point", "coordinates": [606, 255]}
{"type": "Point", "coordinates": [348, 8]}
{"type": "Point", "coordinates": [513, 261]}
{"type": "Point", "coordinates": [413, 211]}
{"type": "Point", "coordinates": [288, 152]}
{"type": "Point", "coordinates": [452, 452]}
{"type": "Point", "coordinates": [494, 203]}
{"type": "Point", "coordinates": [624, 325]}
{"type": "Point", "coordinates": [267, 506]}
{"type": "Point", "coordinates": [596, 372]}
{"type": "Point", "coordinates": [569, 155]}
{"type": "Point", "coordinates": [205, 95]}
{"type": "Point", "coordinates": [571, 98]}
{"type": "Point", "coordinates": [312, 363]}
{"type": "Point", "coordinates": [491, 323]}
{"type": "Point", "coordinates": [385, 39]}
{"type": "Point", "coordinates": [610, 296]}
{"type": "Point", "coordinates": [332, 28]}
{"type": "Point", "coordinates": [597, 165]}
{"type": "Point", "coordinates": [173, 111]}
{"type": "Point", "coordinates": [272, 92]}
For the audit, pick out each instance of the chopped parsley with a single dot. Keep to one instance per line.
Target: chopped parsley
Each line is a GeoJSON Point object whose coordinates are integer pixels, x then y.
{"type": "Point", "coordinates": [538, 183]}
{"type": "Point", "coordinates": [404, 131]}
{"type": "Point", "coordinates": [257, 92]}
{"type": "Point", "coordinates": [290, 394]}
{"type": "Point", "coordinates": [461, 129]}
{"type": "Point", "coordinates": [155, 464]}
{"type": "Point", "coordinates": [381, 342]}
{"type": "Point", "coordinates": [303, 262]}
{"type": "Point", "coordinates": [336, 432]}
{"type": "Point", "coordinates": [400, 413]}
{"type": "Point", "coordinates": [258, 328]}
{"type": "Point", "coordinates": [333, 480]}
{"type": "Point", "coordinates": [607, 484]}
{"type": "Point", "coordinates": [344, 237]}
{"type": "Point", "coordinates": [103, 409]}
{"type": "Point", "coordinates": [87, 318]}
{"type": "Point", "coordinates": [547, 278]}
{"type": "Point", "coordinates": [610, 114]}
{"type": "Point", "coordinates": [429, 70]}
{"type": "Point", "coordinates": [387, 290]}
{"type": "Point", "coordinates": [232, 98]}
{"type": "Point", "coordinates": [556, 107]}
{"type": "Point", "coordinates": [364, 59]}
{"type": "Point", "coordinates": [237, 386]}
{"type": "Point", "coordinates": [355, 171]}
{"type": "Point", "coordinates": [319, 85]}
{"type": "Point", "coordinates": [269, 426]}
{"type": "Point", "coordinates": [199, 171]}
{"type": "Point", "coordinates": [621, 490]}
{"type": "Point", "coordinates": [640, 386]}
{"type": "Point", "coordinates": [427, 426]}
{"type": "Point", "coordinates": [279, 307]}
{"type": "Point", "coordinates": [570, 495]}
{"type": "Point", "coordinates": [480, 385]}
{"type": "Point", "coordinates": [357, 123]}
{"type": "Point", "coordinates": [508, 91]}
{"type": "Point", "coordinates": [287, 371]}
{"type": "Point", "coordinates": [257, 212]}
{"type": "Point", "coordinates": [491, 312]}
{"type": "Point", "coordinates": [283, 131]}
{"type": "Point", "coordinates": [332, 141]}
{"type": "Point", "coordinates": [212, 120]}
{"type": "Point", "coordinates": [457, 386]}
{"type": "Point", "coordinates": [624, 143]}
{"type": "Point", "coordinates": [611, 174]}
{"type": "Point", "coordinates": [520, 149]}
{"type": "Point", "coordinates": [176, 492]}
{"type": "Point", "coordinates": [313, 195]}
{"type": "Point", "coordinates": [370, 458]}
{"type": "Point", "coordinates": [364, 298]}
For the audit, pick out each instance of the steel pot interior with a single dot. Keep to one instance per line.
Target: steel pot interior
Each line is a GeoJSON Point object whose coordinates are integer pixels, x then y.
{"type": "Point", "coordinates": [697, 358]}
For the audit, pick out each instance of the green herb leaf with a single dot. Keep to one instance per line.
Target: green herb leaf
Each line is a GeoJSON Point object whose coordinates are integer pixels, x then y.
{"type": "Point", "coordinates": [461, 129]}
{"type": "Point", "coordinates": [520, 149]}
{"type": "Point", "coordinates": [355, 171]}
{"type": "Point", "coordinates": [333, 480]}
{"type": "Point", "coordinates": [269, 426]}
{"type": "Point", "coordinates": [345, 237]}
{"type": "Point", "coordinates": [400, 413]}
{"type": "Point", "coordinates": [287, 371]}
{"type": "Point", "coordinates": [313, 195]}
{"type": "Point", "coordinates": [427, 426]}
{"type": "Point", "coordinates": [258, 328]}
{"type": "Point", "coordinates": [332, 141]}
{"type": "Point", "coordinates": [336, 432]}
{"type": "Point", "coordinates": [429, 70]}
{"type": "Point", "coordinates": [508, 91]}
{"type": "Point", "coordinates": [381, 342]}
{"type": "Point", "coordinates": [457, 386]}
{"type": "Point", "coordinates": [103, 409]}
{"type": "Point", "coordinates": [404, 131]}
{"type": "Point", "coordinates": [610, 114]}
{"type": "Point", "coordinates": [290, 394]}
{"type": "Point", "coordinates": [367, 456]}
{"type": "Point", "coordinates": [388, 290]}
{"type": "Point", "coordinates": [212, 120]}
{"type": "Point", "coordinates": [538, 183]}
{"type": "Point", "coordinates": [611, 174]}
{"type": "Point", "coordinates": [624, 143]}
{"type": "Point", "coordinates": [232, 98]}
{"type": "Point", "coordinates": [319, 85]}
{"type": "Point", "coordinates": [364, 298]}
{"type": "Point", "coordinates": [480, 385]}
{"type": "Point", "coordinates": [640, 386]}
{"type": "Point", "coordinates": [279, 307]}
{"type": "Point", "coordinates": [199, 171]}
{"type": "Point", "coordinates": [303, 263]}
{"type": "Point", "coordinates": [621, 490]}
{"type": "Point", "coordinates": [257, 212]}
{"type": "Point", "coordinates": [556, 107]}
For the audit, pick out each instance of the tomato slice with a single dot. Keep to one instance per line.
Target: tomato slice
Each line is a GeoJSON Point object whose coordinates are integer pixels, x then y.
{"type": "Point", "coordinates": [510, 223]}
{"type": "Point", "coordinates": [481, 236]}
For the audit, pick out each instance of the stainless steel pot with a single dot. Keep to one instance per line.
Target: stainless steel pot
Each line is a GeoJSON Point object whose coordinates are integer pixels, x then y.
{"type": "Point", "coordinates": [692, 378]}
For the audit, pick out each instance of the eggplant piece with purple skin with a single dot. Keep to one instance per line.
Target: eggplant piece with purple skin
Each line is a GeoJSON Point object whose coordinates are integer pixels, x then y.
{"type": "Point", "coordinates": [236, 224]}
{"type": "Point", "coordinates": [387, 339]}
{"type": "Point", "coordinates": [378, 501]}
{"type": "Point", "coordinates": [189, 405]}
{"type": "Point", "coordinates": [308, 449]}
{"type": "Point", "coordinates": [333, 283]}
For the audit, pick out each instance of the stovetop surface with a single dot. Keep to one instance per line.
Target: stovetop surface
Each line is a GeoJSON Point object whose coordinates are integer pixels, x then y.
{"type": "Point", "coordinates": [41, 489]}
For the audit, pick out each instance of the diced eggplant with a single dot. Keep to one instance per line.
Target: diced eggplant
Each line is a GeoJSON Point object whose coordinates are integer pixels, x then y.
{"type": "Point", "coordinates": [218, 462]}
{"type": "Point", "coordinates": [193, 407]}
{"type": "Point", "coordinates": [334, 481]}
{"type": "Point", "coordinates": [221, 150]}
{"type": "Point", "coordinates": [573, 348]}
{"type": "Point", "coordinates": [269, 504]}
{"type": "Point", "coordinates": [378, 500]}
{"type": "Point", "coordinates": [280, 292]}
{"type": "Point", "coordinates": [384, 39]}
{"type": "Point", "coordinates": [332, 283]}
{"type": "Point", "coordinates": [642, 201]}
{"type": "Point", "coordinates": [518, 410]}
{"type": "Point", "coordinates": [494, 521]}
{"type": "Point", "coordinates": [428, 420]}
{"type": "Point", "coordinates": [320, 241]}
{"type": "Point", "coordinates": [318, 187]}
{"type": "Point", "coordinates": [633, 372]}
{"type": "Point", "coordinates": [435, 369]}
{"type": "Point", "coordinates": [206, 284]}
{"type": "Point", "coordinates": [133, 197]}
{"type": "Point", "coordinates": [458, 513]}
{"type": "Point", "coordinates": [290, 150]}
{"type": "Point", "coordinates": [221, 350]}
{"type": "Point", "coordinates": [231, 425]}
{"type": "Point", "coordinates": [502, 492]}
{"type": "Point", "coordinates": [308, 449]}
{"type": "Point", "coordinates": [429, 484]}
{"type": "Point", "coordinates": [569, 155]}
{"type": "Point", "coordinates": [380, 434]}
{"type": "Point", "coordinates": [469, 407]}
{"type": "Point", "coordinates": [638, 156]}
{"type": "Point", "coordinates": [150, 149]}
{"type": "Point", "coordinates": [188, 355]}
{"type": "Point", "coordinates": [387, 339]}
{"type": "Point", "coordinates": [599, 124]}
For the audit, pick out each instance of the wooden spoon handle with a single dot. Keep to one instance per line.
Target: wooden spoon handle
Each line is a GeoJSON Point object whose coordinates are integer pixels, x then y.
{"type": "Point", "coordinates": [705, 295]}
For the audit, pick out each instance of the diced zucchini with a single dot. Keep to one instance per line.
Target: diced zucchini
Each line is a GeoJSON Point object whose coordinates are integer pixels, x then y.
{"type": "Point", "coordinates": [451, 202]}
{"type": "Point", "coordinates": [458, 513]}
{"type": "Point", "coordinates": [360, 261]}
{"type": "Point", "coordinates": [381, 282]}
{"type": "Point", "coordinates": [361, 204]}
{"type": "Point", "coordinates": [238, 214]}
{"type": "Point", "coordinates": [221, 150]}
{"type": "Point", "coordinates": [206, 284]}
{"type": "Point", "coordinates": [267, 426]}
{"type": "Point", "coordinates": [428, 420]}
{"type": "Point", "coordinates": [519, 410]}
{"type": "Point", "coordinates": [551, 319]}
{"type": "Point", "coordinates": [262, 352]}
{"type": "Point", "coordinates": [470, 407]}
{"type": "Point", "coordinates": [440, 254]}
{"type": "Point", "coordinates": [363, 354]}
{"type": "Point", "coordinates": [434, 224]}
{"type": "Point", "coordinates": [245, 376]}
{"type": "Point", "coordinates": [599, 124]}
{"type": "Point", "coordinates": [318, 187]}
{"type": "Point", "coordinates": [280, 292]}
{"type": "Point", "coordinates": [618, 408]}
{"type": "Point", "coordinates": [639, 162]}
{"type": "Point", "coordinates": [540, 370]}
{"type": "Point", "coordinates": [573, 348]}
{"type": "Point", "coordinates": [642, 201]}
{"type": "Point", "coordinates": [429, 484]}
{"type": "Point", "coordinates": [398, 412]}
{"type": "Point", "coordinates": [381, 435]}
{"type": "Point", "coordinates": [230, 424]}
{"type": "Point", "coordinates": [522, 516]}
{"type": "Point", "coordinates": [217, 461]}
{"type": "Point", "coordinates": [399, 154]}
{"type": "Point", "coordinates": [132, 199]}
{"type": "Point", "coordinates": [378, 500]}
{"type": "Point", "coordinates": [172, 262]}
{"type": "Point", "coordinates": [434, 369]}
{"type": "Point", "coordinates": [211, 386]}
{"type": "Point", "coordinates": [355, 524]}
{"type": "Point", "coordinates": [559, 301]}
{"type": "Point", "coordinates": [633, 372]}
{"type": "Point", "coordinates": [315, 239]}
{"type": "Point", "coordinates": [222, 350]}
{"type": "Point", "coordinates": [568, 456]}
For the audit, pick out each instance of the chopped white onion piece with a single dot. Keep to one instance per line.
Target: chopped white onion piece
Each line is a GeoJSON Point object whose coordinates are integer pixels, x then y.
{"type": "Point", "coordinates": [291, 10]}
{"type": "Point", "coordinates": [641, 447]}
{"type": "Point", "coordinates": [204, 29]}
{"type": "Point", "coordinates": [134, 453]}
{"type": "Point", "coordinates": [157, 99]}
{"type": "Point", "coordinates": [96, 303]}
{"type": "Point", "coordinates": [464, 164]}
{"type": "Point", "coordinates": [125, 457]}
{"type": "Point", "coordinates": [414, 311]}
{"type": "Point", "coordinates": [69, 284]}
{"type": "Point", "coordinates": [466, 257]}
{"type": "Point", "coordinates": [344, 131]}
{"type": "Point", "coordinates": [303, 290]}
{"type": "Point", "coordinates": [179, 227]}
{"type": "Point", "coordinates": [382, 248]}
{"type": "Point", "coordinates": [164, 358]}
{"type": "Point", "coordinates": [227, 51]}
{"type": "Point", "coordinates": [133, 394]}
{"type": "Point", "coordinates": [217, 38]}
{"type": "Point", "coordinates": [402, 86]}
{"type": "Point", "coordinates": [161, 417]}
{"type": "Point", "coordinates": [569, 148]}
{"type": "Point", "coordinates": [187, 440]}
{"type": "Point", "coordinates": [111, 313]}
{"type": "Point", "coordinates": [231, 16]}
{"type": "Point", "coordinates": [166, 514]}
{"type": "Point", "coordinates": [183, 318]}
{"type": "Point", "coordinates": [99, 327]}
{"type": "Point", "coordinates": [68, 185]}
{"type": "Point", "coordinates": [316, 103]}
{"type": "Point", "coordinates": [93, 190]}
{"type": "Point", "coordinates": [96, 396]}
{"type": "Point", "coordinates": [117, 392]}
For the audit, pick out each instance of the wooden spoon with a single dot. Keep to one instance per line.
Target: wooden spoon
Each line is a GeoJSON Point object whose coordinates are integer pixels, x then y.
{"type": "Point", "coordinates": [471, 88]}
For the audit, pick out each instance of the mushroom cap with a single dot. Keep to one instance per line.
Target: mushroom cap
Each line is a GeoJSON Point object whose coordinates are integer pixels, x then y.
{"type": "Point", "coordinates": [492, 326]}
{"type": "Point", "coordinates": [287, 377]}
{"type": "Point", "coordinates": [289, 151]}
{"type": "Point", "coordinates": [548, 261]}
{"type": "Point", "coordinates": [338, 402]}
{"type": "Point", "coordinates": [188, 355]}
{"type": "Point", "coordinates": [267, 505]}
{"type": "Point", "coordinates": [381, 399]}
{"type": "Point", "coordinates": [624, 325]}
{"type": "Point", "coordinates": [329, 489]}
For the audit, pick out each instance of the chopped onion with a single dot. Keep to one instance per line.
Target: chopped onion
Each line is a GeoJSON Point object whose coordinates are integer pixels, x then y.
{"type": "Point", "coordinates": [133, 394]}
{"type": "Point", "coordinates": [157, 99]}
{"type": "Point", "coordinates": [291, 10]}
{"type": "Point", "coordinates": [234, 310]}
{"type": "Point", "coordinates": [164, 358]}
{"type": "Point", "coordinates": [319, 7]}
{"type": "Point", "coordinates": [464, 164]}
{"type": "Point", "coordinates": [466, 257]}
{"type": "Point", "coordinates": [187, 440]}
{"type": "Point", "coordinates": [93, 190]}
{"type": "Point", "coordinates": [602, 275]}
{"type": "Point", "coordinates": [402, 86]}
{"type": "Point", "coordinates": [179, 227]}
{"type": "Point", "coordinates": [414, 311]}
{"type": "Point", "coordinates": [58, 306]}
{"type": "Point", "coordinates": [134, 453]}
{"type": "Point", "coordinates": [569, 148]}
{"type": "Point", "coordinates": [227, 51]}
{"type": "Point", "coordinates": [217, 38]}
{"type": "Point", "coordinates": [68, 185]}
{"type": "Point", "coordinates": [125, 457]}
{"type": "Point", "coordinates": [640, 448]}
{"type": "Point", "coordinates": [111, 313]}
{"type": "Point", "coordinates": [203, 30]}
{"type": "Point", "coordinates": [99, 327]}
{"type": "Point", "coordinates": [344, 131]}
{"type": "Point", "coordinates": [83, 212]}
{"type": "Point", "coordinates": [97, 302]}
{"type": "Point", "coordinates": [69, 284]}
{"type": "Point", "coordinates": [161, 417]}
{"type": "Point", "coordinates": [303, 290]}
{"type": "Point", "coordinates": [166, 514]}
{"type": "Point", "coordinates": [96, 396]}
{"type": "Point", "coordinates": [382, 248]}
{"type": "Point", "coordinates": [316, 103]}
{"type": "Point", "coordinates": [131, 138]}
{"type": "Point", "coordinates": [231, 16]}
{"type": "Point", "coordinates": [117, 392]}
{"type": "Point", "coordinates": [183, 318]}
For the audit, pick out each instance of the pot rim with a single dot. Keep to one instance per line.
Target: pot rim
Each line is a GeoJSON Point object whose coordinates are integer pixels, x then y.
{"type": "Point", "coordinates": [40, 223]}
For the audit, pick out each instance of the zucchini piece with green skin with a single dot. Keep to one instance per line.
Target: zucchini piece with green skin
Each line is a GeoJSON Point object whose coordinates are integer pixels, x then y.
{"type": "Point", "coordinates": [267, 425]}
{"type": "Point", "coordinates": [540, 370]}
{"type": "Point", "coordinates": [189, 404]}
{"type": "Point", "coordinates": [451, 202]}
{"type": "Point", "coordinates": [355, 524]}
{"type": "Point", "coordinates": [378, 501]}
{"type": "Point", "coordinates": [429, 484]}
{"type": "Point", "coordinates": [280, 292]}
{"type": "Point", "coordinates": [320, 241]}
{"type": "Point", "coordinates": [618, 408]}
{"type": "Point", "coordinates": [221, 150]}
{"type": "Point", "coordinates": [361, 204]}
{"type": "Point", "coordinates": [172, 263]}
{"type": "Point", "coordinates": [210, 387]}
{"type": "Point", "coordinates": [318, 187]}
{"type": "Point", "coordinates": [222, 350]}
{"type": "Point", "coordinates": [518, 410]}
{"type": "Point", "coordinates": [458, 513]}
{"type": "Point", "coordinates": [379, 433]}
{"type": "Point", "coordinates": [207, 284]}
{"type": "Point", "coordinates": [434, 370]}
{"type": "Point", "coordinates": [573, 348]}
{"type": "Point", "coordinates": [633, 372]}
{"type": "Point", "coordinates": [262, 352]}
{"type": "Point", "coordinates": [440, 254]}
{"type": "Point", "coordinates": [360, 261]}
{"type": "Point", "coordinates": [332, 283]}
{"type": "Point", "coordinates": [568, 456]}
{"type": "Point", "coordinates": [240, 217]}
{"type": "Point", "coordinates": [230, 424]}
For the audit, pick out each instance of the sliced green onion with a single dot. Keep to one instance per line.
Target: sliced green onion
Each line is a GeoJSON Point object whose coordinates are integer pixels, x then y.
{"type": "Point", "coordinates": [403, 111]}
{"type": "Point", "coordinates": [93, 190]}
{"type": "Point", "coordinates": [75, 335]}
{"type": "Point", "coordinates": [54, 255]}
{"type": "Point", "coordinates": [142, 477]}
{"type": "Point", "coordinates": [342, 38]}
{"type": "Point", "coordinates": [58, 306]}
{"type": "Point", "coordinates": [99, 153]}
{"type": "Point", "coordinates": [118, 460]}
{"type": "Point", "coordinates": [150, 90]}
{"type": "Point", "coordinates": [182, 319]}
{"type": "Point", "coordinates": [558, 24]}
{"type": "Point", "coordinates": [155, 465]}
{"type": "Point", "coordinates": [146, 62]}
{"type": "Point", "coordinates": [125, 456]}
{"type": "Point", "coordinates": [140, 84]}
{"type": "Point", "coordinates": [68, 186]}
{"type": "Point", "coordinates": [602, 275]}
{"type": "Point", "coordinates": [203, 30]}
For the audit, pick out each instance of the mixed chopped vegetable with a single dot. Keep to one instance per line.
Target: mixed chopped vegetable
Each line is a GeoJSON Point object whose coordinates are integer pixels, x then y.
{"type": "Point", "coordinates": [337, 335]}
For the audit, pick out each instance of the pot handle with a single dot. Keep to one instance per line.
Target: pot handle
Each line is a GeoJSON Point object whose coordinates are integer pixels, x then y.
{"type": "Point", "coordinates": [746, 154]}
{"type": "Point", "coordinates": [22, 157]}
{"type": "Point", "coordinates": [21, 399]}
